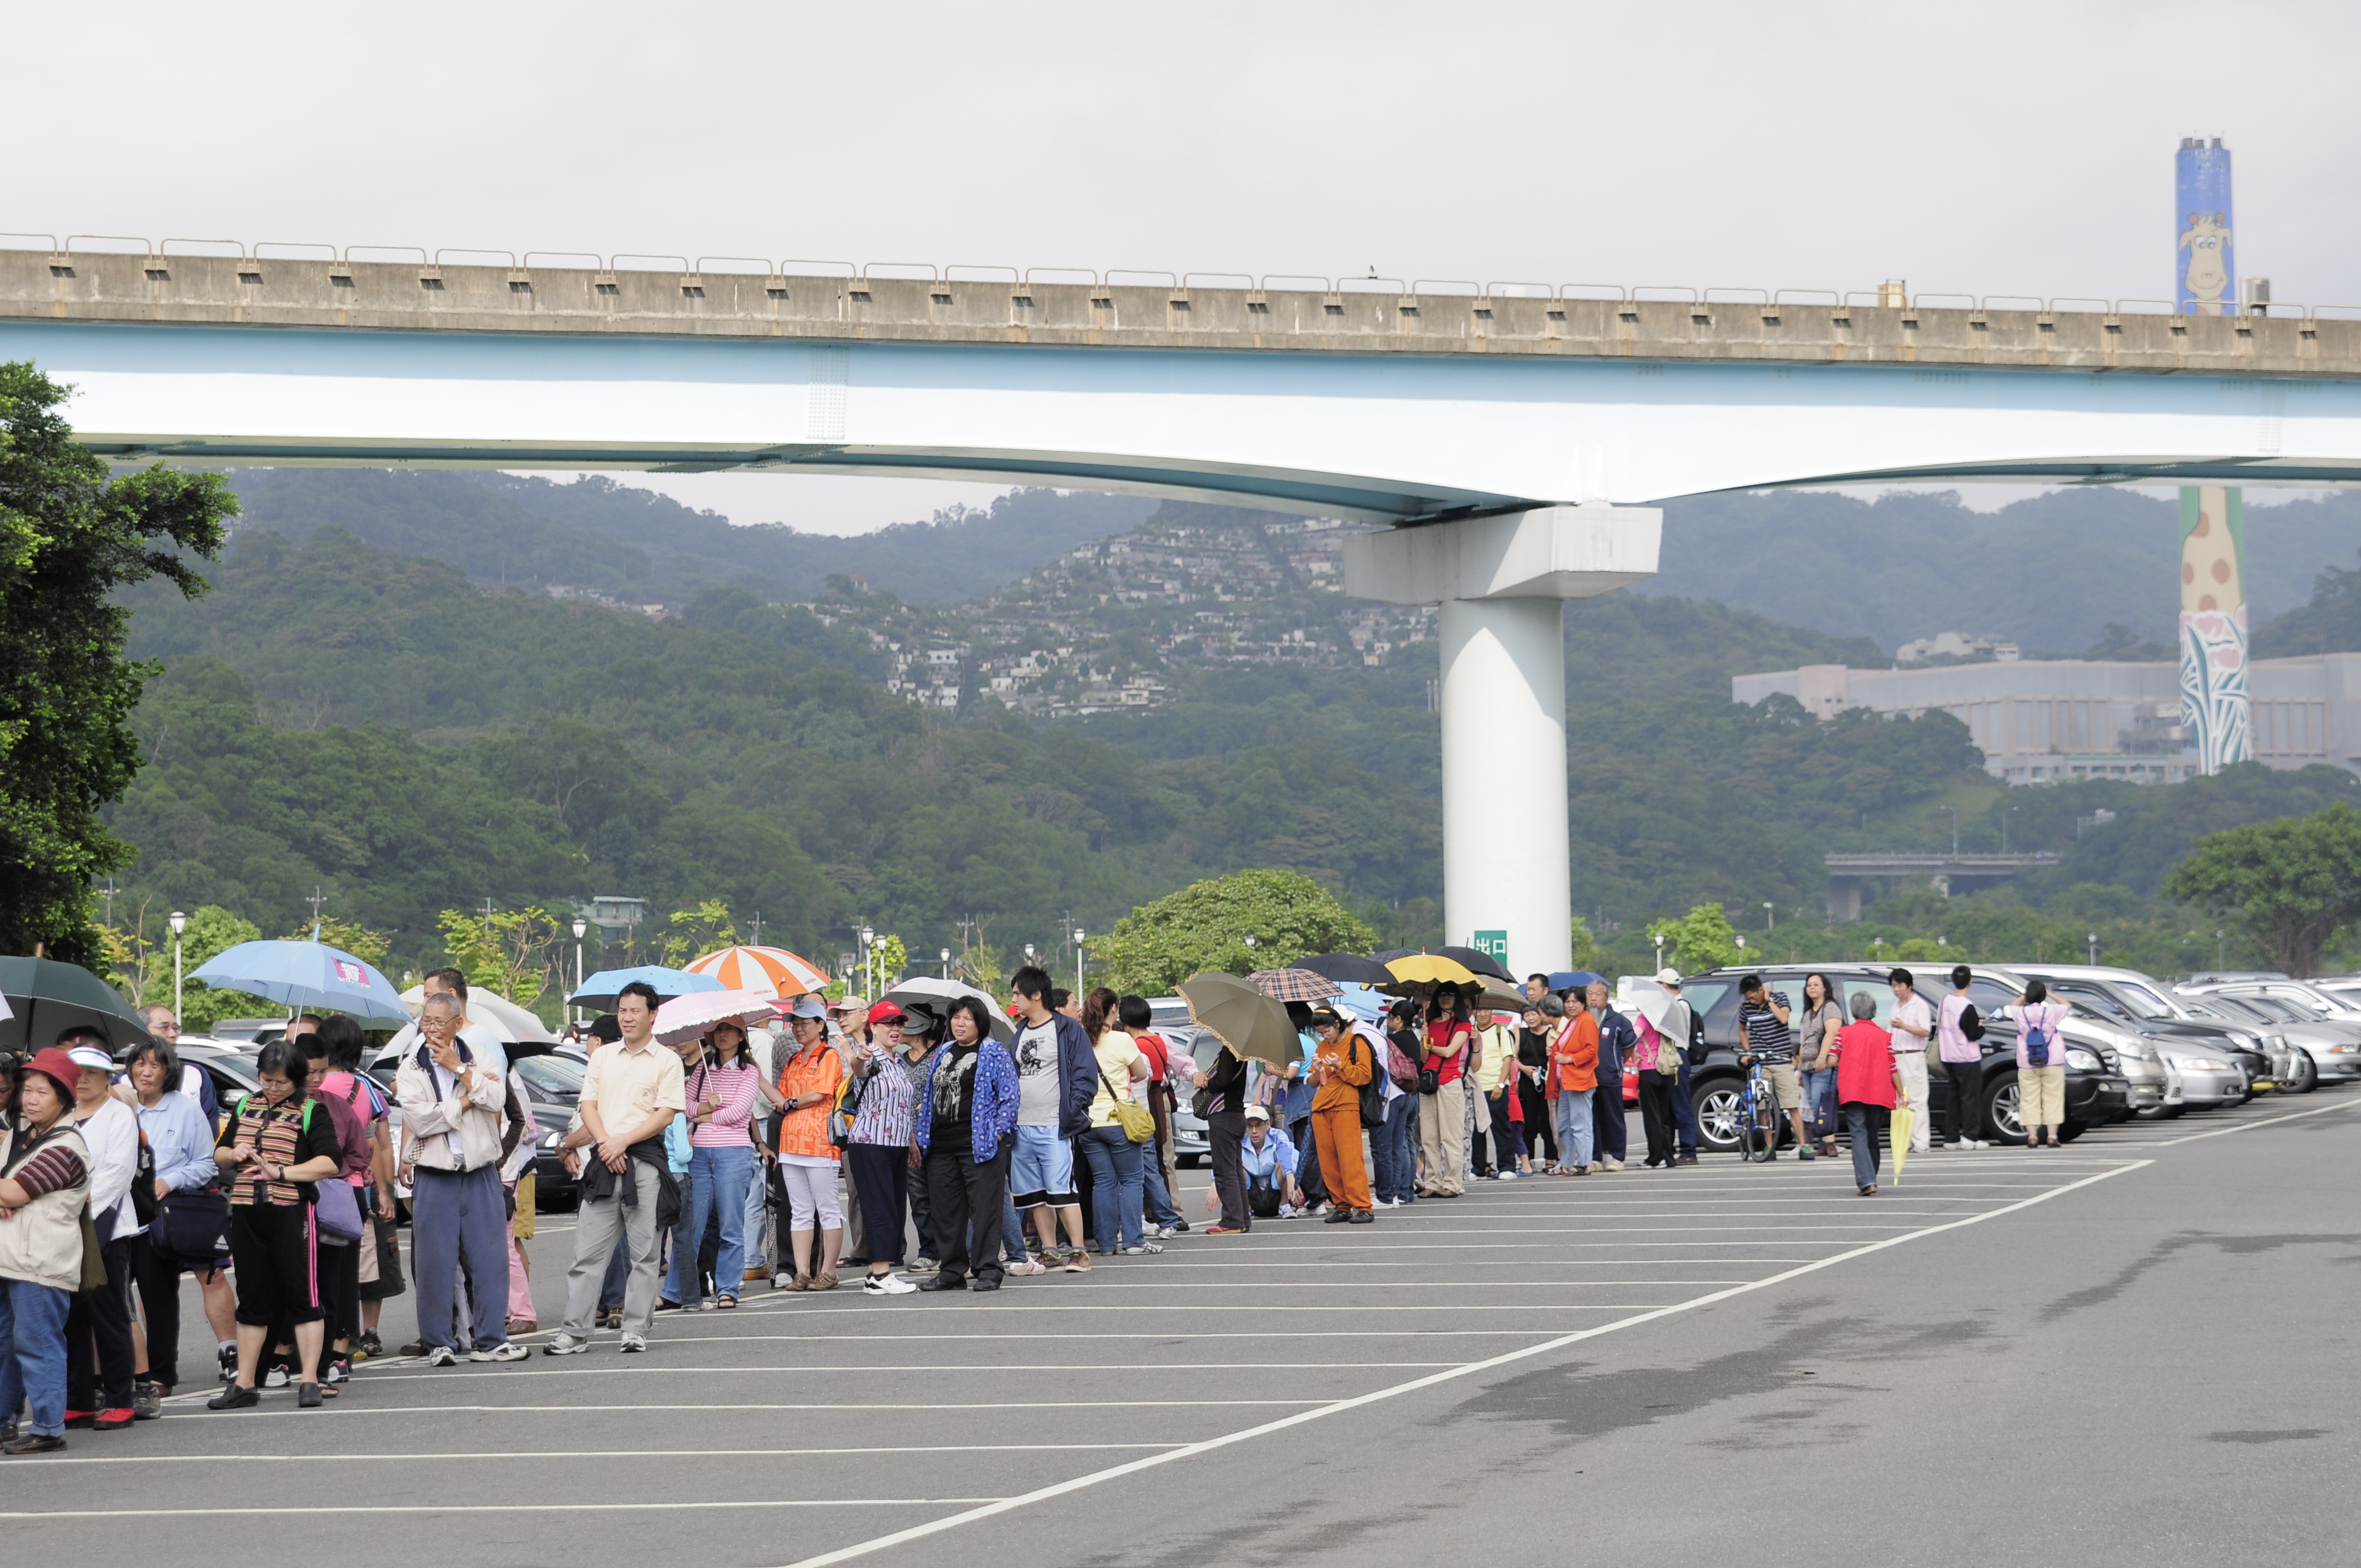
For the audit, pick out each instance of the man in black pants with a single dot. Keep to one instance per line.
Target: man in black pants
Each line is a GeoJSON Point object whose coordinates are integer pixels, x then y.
{"type": "Point", "coordinates": [1963, 1062]}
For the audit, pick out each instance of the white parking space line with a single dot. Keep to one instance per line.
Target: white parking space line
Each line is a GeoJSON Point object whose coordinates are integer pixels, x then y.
{"type": "Point", "coordinates": [667, 1369]}
{"type": "Point", "coordinates": [315, 1509]}
{"type": "Point", "coordinates": [438, 1458]}
{"type": "Point", "coordinates": [1095, 1478]}
{"type": "Point", "coordinates": [775, 1407]}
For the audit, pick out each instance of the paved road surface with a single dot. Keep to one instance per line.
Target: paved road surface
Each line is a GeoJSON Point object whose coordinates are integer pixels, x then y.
{"type": "Point", "coordinates": [2136, 1350]}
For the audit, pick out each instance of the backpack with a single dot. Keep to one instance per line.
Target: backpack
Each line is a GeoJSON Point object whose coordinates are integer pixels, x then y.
{"type": "Point", "coordinates": [1373, 1093]}
{"type": "Point", "coordinates": [2037, 1045]}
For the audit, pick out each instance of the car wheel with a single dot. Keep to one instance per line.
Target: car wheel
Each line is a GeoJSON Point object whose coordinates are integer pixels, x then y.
{"type": "Point", "coordinates": [2304, 1076]}
{"type": "Point", "coordinates": [1717, 1115]}
{"type": "Point", "coordinates": [2003, 1112]}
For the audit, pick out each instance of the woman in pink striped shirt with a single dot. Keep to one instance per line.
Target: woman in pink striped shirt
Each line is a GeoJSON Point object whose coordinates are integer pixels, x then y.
{"type": "Point", "coordinates": [721, 1091]}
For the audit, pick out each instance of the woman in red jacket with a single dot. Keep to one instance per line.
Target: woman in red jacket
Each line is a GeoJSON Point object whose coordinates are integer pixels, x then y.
{"type": "Point", "coordinates": [1867, 1082]}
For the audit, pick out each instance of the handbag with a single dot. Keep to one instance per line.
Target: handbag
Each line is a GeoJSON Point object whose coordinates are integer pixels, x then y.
{"type": "Point", "coordinates": [338, 1213]}
{"type": "Point", "coordinates": [1430, 1081]}
{"type": "Point", "coordinates": [1138, 1122]}
{"type": "Point", "coordinates": [195, 1224]}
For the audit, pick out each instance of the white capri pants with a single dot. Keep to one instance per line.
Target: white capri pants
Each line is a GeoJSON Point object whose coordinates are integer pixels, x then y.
{"type": "Point", "coordinates": [811, 1191]}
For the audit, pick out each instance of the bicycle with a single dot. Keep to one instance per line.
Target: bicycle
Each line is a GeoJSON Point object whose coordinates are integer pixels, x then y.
{"type": "Point", "coordinates": [1756, 1114]}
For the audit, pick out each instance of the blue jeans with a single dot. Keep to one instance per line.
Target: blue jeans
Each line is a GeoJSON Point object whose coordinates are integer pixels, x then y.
{"type": "Point", "coordinates": [718, 1178]}
{"type": "Point", "coordinates": [33, 1353]}
{"type": "Point", "coordinates": [1151, 1184]}
{"type": "Point", "coordinates": [1573, 1129]}
{"type": "Point", "coordinates": [1396, 1172]}
{"type": "Point", "coordinates": [1114, 1186]}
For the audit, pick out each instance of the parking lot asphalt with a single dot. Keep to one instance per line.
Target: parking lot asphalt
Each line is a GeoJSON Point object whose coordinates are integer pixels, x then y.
{"type": "Point", "coordinates": [2137, 1349]}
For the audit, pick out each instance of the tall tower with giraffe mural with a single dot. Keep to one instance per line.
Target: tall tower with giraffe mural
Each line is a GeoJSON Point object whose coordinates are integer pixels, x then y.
{"type": "Point", "coordinates": [2212, 518]}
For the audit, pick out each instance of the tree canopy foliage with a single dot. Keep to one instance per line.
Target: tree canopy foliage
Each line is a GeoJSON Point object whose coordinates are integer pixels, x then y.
{"type": "Point", "coordinates": [1207, 926]}
{"type": "Point", "coordinates": [70, 537]}
{"type": "Point", "coordinates": [2295, 884]}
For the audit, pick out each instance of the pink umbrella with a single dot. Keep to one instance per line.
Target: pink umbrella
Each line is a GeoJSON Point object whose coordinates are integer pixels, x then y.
{"type": "Point", "coordinates": [686, 1018]}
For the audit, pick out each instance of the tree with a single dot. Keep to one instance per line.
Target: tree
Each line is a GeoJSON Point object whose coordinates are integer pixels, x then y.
{"type": "Point", "coordinates": [349, 936]}
{"type": "Point", "coordinates": [212, 932]}
{"type": "Point", "coordinates": [1701, 939]}
{"type": "Point", "coordinates": [2294, 884]}
{"type": "Point", "coordinates": [71, 537]}
{"type": "Point", "coordinates": [509, 953]}
{"type": "Point", "coordinates": [692, 933]}
{"type": "Point", "coordinates": [1585, 946]}
{"type": "Point", "coordinates": [1205, 927]}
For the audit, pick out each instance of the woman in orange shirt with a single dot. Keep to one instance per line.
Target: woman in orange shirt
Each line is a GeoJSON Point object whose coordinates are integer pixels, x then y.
{"type": "Point", "coordinates": [808, 1161]}
{"type": "Point", "coordinates": [1574, 1058]}
{"type": "Point", "coordinates": [1340, 1068]}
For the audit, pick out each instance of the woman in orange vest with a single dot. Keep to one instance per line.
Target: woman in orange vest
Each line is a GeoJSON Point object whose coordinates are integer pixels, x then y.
{"type": "Point", "coordinates": [808, 1161]}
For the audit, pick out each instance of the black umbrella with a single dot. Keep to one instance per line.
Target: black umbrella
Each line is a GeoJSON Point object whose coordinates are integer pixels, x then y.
{"type": "Point", "coordinates": [1478, 962]}
{"type": "Point", "coordinates": [46, 996]}
{"type": "Point", "coordinates": [1348, 968]}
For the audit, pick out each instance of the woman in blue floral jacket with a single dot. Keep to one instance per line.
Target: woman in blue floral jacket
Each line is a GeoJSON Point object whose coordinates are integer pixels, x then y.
{"type": "Point", "coordinates": [968, 1096]}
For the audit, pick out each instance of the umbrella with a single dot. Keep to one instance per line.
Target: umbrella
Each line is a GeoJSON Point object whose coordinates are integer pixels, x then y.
{"type": "Point", "coordinates": [512, 1024]}
{"type": "Point", "coordinates": [1898, 1129]}
{"type": "Point", "coordinates": [1429, 969]}
{"type": "Point", "coordinates": [1500, 998]}
{"type": "Point", "coordinates": [1294, 985]}
{"type": "Point", "coordinates": [1249, 1023]}
{"type": "Point", "coordinates": [1347, 969]}
{"type": "Point", "coordinates": [47, 995]}
{"type": "Point", "coordinates": [1574, 980]}
{"type": "Point", "coordinates": [1478, 962]}
{"type": "Point", "coordinates": [1652, 1001]}
{"type": "Point", "coordinates": [765, 971]}
{"type": "Point", "coordinates": [688, 1017]}
{"type": "Point", "coordinates": [937, 995]}
{"type": "Point", "coordinates": [1364, 1003]}
{"type": "Point", "coordinates": [601, 988]}
{"type": "Point", "coordinates": [307, 975]}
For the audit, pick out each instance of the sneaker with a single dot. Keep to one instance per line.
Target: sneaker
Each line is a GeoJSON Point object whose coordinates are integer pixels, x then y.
{"type": "Point", "coordinates": [564, 1345]}
{"type": "Point", "coordinates": [335, 1372]}
{"type": "Point", "coordinates": [1510, 1176]}
{"type": "Point", "coordinates": [1337, 1217]}
{"type": "Point", "coordinates": [32, 1442]}
{"type": "Point", "coordinates": [1804, 1151]}
{"type": "Point", "coordinates": [115, 1418]}
{"type": "Point", "coordinates": [81, 1419]}
{"type": "Point", "coordinates": [941, 1282]}
{"type": "Point", "coordinates": [634, 1345]}
{"type": "Point", "coordinates": [1144, 1248]}
{"type": "Point", "coordinates": [228, 1359]}
{"type": "Point", "coordinates": [887, 1285]}
{"type": "Point", "coordinates": [1077, 1261]}
{"type": "Point", "coordinates": [522, 1326]}
{"type": "Point", "coordinates": [1023, 1266]}
{"type": "Point", "coordinates": [1287, 1211]}
{"type": "Point", "coordinates": [1685, 1159]}
{"type": "Point", "coordinates": [307, 1396]}
{"type": "Point", "coordinates": [924, 1266]}
{"type": "Point", "coordinates": [1611, 1164]}
{"type": "Point", "coordinates": [148, 1400]}
{"type": "Point", "coordinates": [1226, 1230]}
{"type": "Point", "coordinates": [276, 1377]}
{"type": "Point", "coordinates": [1362, 1217]}
{"type": "Point", "coordinates": [443, 1356]}
{"type": "Point", "coordinates": [1166, 1233]}
{"type": "Point", "coordinates": [504, 1351]}
{"type": "Point", "coordinates": [234, 1399]}
{"type": "Point", "coordinates": [369, 1344]}
{"type": "Point", "coordinates": [707, 1304]}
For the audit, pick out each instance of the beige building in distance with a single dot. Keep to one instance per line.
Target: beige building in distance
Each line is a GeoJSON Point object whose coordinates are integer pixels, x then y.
{"type": "Point", "coordinates": [2045, 721]}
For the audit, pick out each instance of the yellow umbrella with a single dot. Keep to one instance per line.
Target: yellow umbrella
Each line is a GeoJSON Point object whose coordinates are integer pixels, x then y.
{"type": "Point", "coordinates": [1431, 969]}
{"type": "Point", "coordinates": [1249, 1023]}
{"type": "Point", "coordinates": [1899, 1126]}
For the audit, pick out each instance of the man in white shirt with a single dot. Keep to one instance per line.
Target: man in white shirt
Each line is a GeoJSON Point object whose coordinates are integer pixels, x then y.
{"type": "Point", "coordinates": [483, 1042]}
{"type": "Point", "coordinates": [1914, 1025]}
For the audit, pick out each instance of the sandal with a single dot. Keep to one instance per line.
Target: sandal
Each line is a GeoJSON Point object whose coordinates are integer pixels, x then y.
{"type": "Point", "coordinates": [724, 1302]}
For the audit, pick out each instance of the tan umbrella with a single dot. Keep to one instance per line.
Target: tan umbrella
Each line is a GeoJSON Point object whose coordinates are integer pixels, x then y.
{"type": "Point", "coordinates": [1249, 1023]}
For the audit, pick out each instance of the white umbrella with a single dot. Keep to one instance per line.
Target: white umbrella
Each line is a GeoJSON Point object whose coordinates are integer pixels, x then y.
{"type": "Point", "coordinates": [512, 1023]}
{"type": "Point", "coordinates": [939, 994]}
{"type": "Point", "coordinates": [1651, 1001]}
{"type": "Point", "coordinates": [686, 1018]}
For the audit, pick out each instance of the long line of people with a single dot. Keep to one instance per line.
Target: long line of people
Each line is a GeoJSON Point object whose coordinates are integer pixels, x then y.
{"type": "Point", "coordinates": [1012, 1143]}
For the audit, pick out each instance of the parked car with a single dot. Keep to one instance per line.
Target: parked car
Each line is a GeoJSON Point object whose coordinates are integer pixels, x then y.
{"type": "Point", "coordinates": [1191, 1141]}
{"type": "Point", "coordinates": [2186, 1031]}
{"type": "Point", "coordinates": [2096, 1090]}
{"type": "Point", "coordinates": [553, 1087]}
{"type": "Point", "coordinates": [2326, 1038]}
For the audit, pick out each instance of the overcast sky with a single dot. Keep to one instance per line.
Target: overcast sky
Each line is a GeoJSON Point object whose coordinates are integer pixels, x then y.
{"type": "Point", "coordinates": [2020, 149]}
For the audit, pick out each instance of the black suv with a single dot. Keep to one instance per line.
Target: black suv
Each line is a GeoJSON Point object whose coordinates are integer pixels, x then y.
{"type": "Point", "coordinates": [2096, 1092]}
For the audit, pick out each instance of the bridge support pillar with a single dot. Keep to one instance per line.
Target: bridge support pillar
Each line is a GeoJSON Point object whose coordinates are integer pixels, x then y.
{"type": "Point", "coordinates": [1503, 583]}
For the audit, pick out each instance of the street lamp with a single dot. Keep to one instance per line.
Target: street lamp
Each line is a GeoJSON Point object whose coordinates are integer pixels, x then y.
{"type": "Point", "coordinates": [580, 926]}
{"type": "Point", "coordinates": [1658, 938]}
{"type": "Point", "coordinates": [1770, 916]}
{"type": "Point", "coordinates": [947, 963]}
{"type": "Point", "coordinates": [1078, 960]}
{"type": "Point", "coordinates": [179, 923]}
{"type": "Point", "coordinates": [868, 935]}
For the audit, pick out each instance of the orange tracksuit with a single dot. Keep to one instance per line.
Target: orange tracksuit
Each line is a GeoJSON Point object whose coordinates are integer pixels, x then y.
{"type": "Point", "coordinates": [1336, 1121]}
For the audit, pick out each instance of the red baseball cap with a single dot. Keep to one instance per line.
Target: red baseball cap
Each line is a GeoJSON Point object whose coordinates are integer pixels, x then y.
{"type": "Point", "coordinates": [885, 1013]}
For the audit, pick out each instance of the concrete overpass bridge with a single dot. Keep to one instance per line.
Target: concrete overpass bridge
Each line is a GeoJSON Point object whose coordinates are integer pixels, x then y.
{"type": "Point", "coordinates": [1513, 433]}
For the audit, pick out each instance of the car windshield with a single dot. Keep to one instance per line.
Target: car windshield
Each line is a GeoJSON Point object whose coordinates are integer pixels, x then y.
{"type": "Point", "coordinates": [2141, 1001]}
{"type": "Point", "coordinates": [2310, 1000]}
{"type": "Point", "coordinates": [2236, 1010]}
{"type": "Point", "coordinates": [2092, 1002]}
{"type": "Point", "coordinates": [2276, 1009]}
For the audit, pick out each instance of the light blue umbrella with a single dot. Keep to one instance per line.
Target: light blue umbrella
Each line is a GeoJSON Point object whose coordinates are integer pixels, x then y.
{"type": "Point", "coordinates": [311, 975]}
{"type": "Point", "coordinates": [601, 988]}
{"type": "Point", "coordinates": [1363, 1003]}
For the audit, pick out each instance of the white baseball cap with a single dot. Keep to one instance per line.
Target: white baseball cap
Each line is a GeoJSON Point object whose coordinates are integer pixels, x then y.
{"type": "Point", "coordinates": [1668, 976]}
{"type": "Point", "coordinates": [91, 1055]}
{"type": "Point", "coordinates": [1258, 1113]}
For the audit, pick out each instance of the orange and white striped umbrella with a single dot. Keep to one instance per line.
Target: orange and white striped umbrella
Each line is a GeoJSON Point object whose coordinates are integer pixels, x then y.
{"type": "Point", "coordinates": [765, 971]}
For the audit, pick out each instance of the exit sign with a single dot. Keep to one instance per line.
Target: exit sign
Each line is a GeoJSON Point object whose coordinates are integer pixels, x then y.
{"type": "Point", "coordinates": [1493, 945]}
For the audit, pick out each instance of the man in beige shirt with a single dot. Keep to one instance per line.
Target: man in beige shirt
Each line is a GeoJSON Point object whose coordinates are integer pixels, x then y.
{"type": "Point", "coordinates": [631, 1090]}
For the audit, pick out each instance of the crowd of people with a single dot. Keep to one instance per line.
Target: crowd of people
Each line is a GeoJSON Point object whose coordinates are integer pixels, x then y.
{"type": "Point", "coordinates": [1014, 1139]}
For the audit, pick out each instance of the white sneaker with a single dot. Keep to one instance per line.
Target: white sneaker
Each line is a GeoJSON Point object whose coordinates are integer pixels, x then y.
{"type": "Point", "coordinates": [504, 1351]}
{"type": "Point", "coordinates": [566, 1345]}
{"type": "Point", "coordinates": [442, 1355]}
{"type": "Point", "coordinates": [634, 1345]}
{"type": "Point", "coordinates": [887, 1285]}
{"type": "Point", "coordinates": [1287, 1211]}
{"type": "Point", "coordinates": [1611, 1164]}
{"type": "Point", "coordinates": [1166, 1233]}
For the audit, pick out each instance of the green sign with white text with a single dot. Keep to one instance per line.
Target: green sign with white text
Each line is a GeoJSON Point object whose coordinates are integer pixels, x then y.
{"type": "Point", "coordinates": [1492, 944]}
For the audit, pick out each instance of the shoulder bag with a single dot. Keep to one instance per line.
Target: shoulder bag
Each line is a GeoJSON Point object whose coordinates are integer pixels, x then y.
{"type": "Point", "coordinates": [1373, 1093]}
{"type": "Point", "coordinates": [1138, 1122]}
{"type": "Point", "coordinates": [840, 1115]}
